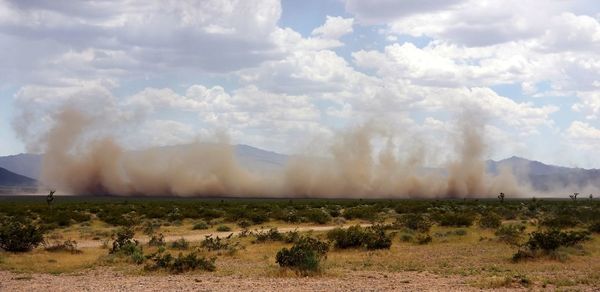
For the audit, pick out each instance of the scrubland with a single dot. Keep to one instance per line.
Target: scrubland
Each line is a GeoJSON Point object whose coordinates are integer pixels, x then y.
{"type": "Point", "coordinates": [229, 244]}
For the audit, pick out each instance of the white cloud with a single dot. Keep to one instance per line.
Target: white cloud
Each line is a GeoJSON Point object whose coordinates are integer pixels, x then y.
{"type": "Point", "coordinates": [589, 105]}
{"type": "Point", "coordinates": [136, 37]}
{"type": "Point", "coordinates": [334, 27]}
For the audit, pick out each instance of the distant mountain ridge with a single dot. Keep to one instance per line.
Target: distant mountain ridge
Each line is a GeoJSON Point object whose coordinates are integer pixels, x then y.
{"type": "Point", "coordinates": [544, 177]}
{"type": "Point", "coordinates": [11, 179]}
{"type": "Point", "coordinates": [541, 176]}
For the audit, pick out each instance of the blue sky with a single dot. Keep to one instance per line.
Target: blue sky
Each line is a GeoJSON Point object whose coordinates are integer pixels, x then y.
{"type": "Point", "coordinates": [281, 75]}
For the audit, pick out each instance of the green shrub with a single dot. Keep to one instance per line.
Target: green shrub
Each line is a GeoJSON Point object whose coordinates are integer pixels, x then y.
{"type": "Point", "coordinates": [244, 223]}
{"type": "Point", "coordinates": [315, 215]}
{"type": "Point", "coordinates": [150, 227]}
{"type": "Point", "coordinates": [352, 237]}
{"type": "Point", "coordinates": [378, 239]}
{"type": "Point", "coordinates": [594, 227]}
{"type": "Point", "coordinates": [291, 236]}
{"type": "Point", "coordinates": [157, 240]}
{"type": "Point", "coordinates": [270, 235]}
{"type": "Point", "coordinates": [181, 263]}
{"type": "Point", "coordinates": [510, 233]}
{"type": "Point", "coordinates": [124, 242]}
{"type": "Point", "coordinates": [412, 221]}
{"type": "Point", "coordinates": [373, 237]}
{"type": "Point", "coordinates": [19, 235]}
{"type": "Point", "coordinates": [200, 225]}
{"type": "Point", "coordinates": [490, 220]}
{"type": "Point", "coordinates": [423, 238]}
{"type": "Point", "coordinates": [219, 244]}
{"type": "Point", "coordinates": [223, 228]}
{"type": "Point", "coordinates": [304, 256]}
{"type": "Point", "coordinates": [406, 237]}
{"type": "Point", "coordinates": [560, 221]}
{"type": "Point", "coordinates": [364, 212]}
{"type": "Point", "coordinates": [181, 244]}
{"type": "Point", "coordinates": [550, 240]}
{"type": "Point", "coordinates": [455, 219]}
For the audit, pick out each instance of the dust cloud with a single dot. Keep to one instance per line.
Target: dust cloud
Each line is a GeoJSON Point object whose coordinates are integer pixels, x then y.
{"type": "Point", "coordinates": [77, 161]}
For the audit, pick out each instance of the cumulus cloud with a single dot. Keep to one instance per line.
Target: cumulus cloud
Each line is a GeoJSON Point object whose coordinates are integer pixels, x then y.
{"type": "Point", "coordinates": [138, 36]}
{"type": "Point", "coordinates": [334, 27]}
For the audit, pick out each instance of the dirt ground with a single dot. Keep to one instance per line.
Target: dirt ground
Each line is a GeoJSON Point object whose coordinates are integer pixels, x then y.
{"type": "Point", "coordinates": [103, 279]}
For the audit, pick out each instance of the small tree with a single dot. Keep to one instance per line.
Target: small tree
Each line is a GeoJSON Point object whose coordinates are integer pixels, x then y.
{"type": "Point", "coordinates": [50, 198]}
{"type": "Point", "coordinates": [574, 196]}
{"type": "Point", "coordinates": [501, 197]}
{"type": "Point", "coordinates": [591, 197]}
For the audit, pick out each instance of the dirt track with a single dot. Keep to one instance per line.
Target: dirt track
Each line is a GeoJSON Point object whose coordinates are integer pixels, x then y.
{"type": "Point", "coordinates": [107, 280]}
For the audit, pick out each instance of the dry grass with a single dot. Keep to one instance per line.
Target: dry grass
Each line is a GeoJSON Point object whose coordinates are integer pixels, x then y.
{"type": "Point", "coordinates": [481, 260]}
{"type": "Point", "coordinates": [41, 261]}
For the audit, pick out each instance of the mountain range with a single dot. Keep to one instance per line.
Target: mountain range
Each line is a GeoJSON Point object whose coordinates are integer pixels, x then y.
{"type": "Point", "coordinates": [24, 169]}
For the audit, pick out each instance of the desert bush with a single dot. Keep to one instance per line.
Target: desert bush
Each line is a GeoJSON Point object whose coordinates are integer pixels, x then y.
{"type": "Point", "coordinates": [291, 236]}
{"type": "Point", "coordinates": [66, 246]}
{"type": "Point", "coordinates": [378, 239]}
{"type": "Point", "coordinates": [219, 244]}
{"type": "Point", "coordinates": [304, 256]}
{"type": "Point", "coordinates": [181, 244]}
{"type": "Point", "coordinates": [353, 236]}
{"type": "Point", "coordinates": [406, 237]}
{"type": "Point", "coordinates": [455, 219]}
{"type": "Point", "coordinates": [19, 235]}
{"type": "Point", "coordinates": [364, 212]}
{"type": "Point", "coordinates": [124, 242]}
{"type": "Point", "coordinates": [200, 225]}
{"type": "Point", "coordinates": [157, 240]}
{"type": "Point", "coordinates": [314, 215]}
{"type": "Point", "coordinates": [490, 220]}
{"type": "Point", "coordinates": [548, 241]}
{"type": "Point", "coordinates": [510, 233]}
{"type": "Point", "coordinates": [244, 223]}
{"type": "Point", "coordinates": [181, 263]}
{"type": "Point", "coordinates": [223, 228]}
{"type": "Point", "coordinates": [594, 227]}
{"type": "Point", "coordinates": [356, 236]}
{"type": "Point", "coordinates": [150, 227]}
{"type": "Point", "coordinates": [412, 221]}
{"type": "Point", "coordinates": [560, 221]}
{"type": "Point", "coordinates": [423, 238]}
{"type": "Point", "coordinates": [270, 235]}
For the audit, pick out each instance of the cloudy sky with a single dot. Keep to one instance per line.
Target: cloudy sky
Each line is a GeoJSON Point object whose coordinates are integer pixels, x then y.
{"type": "Point", "coordinates": [275, 74]}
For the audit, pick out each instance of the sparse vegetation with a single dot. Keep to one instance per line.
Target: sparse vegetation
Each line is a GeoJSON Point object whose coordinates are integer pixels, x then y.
{"type": "Point", "coordinates": [181, 244]}
{"type": "Point", "coordinates": [373, 237]}
{"type": "Point", "coordinates": [510, 233]}
{"type": "Point", "coordinates": [223, 228]}
{"type": "Point", "coordinates": [180, 264]}
{"type": "Point", "coordinates": [490, 220]}
{"type": "Point", "coordinates": [304, 256]}
{"type": "Point", "coordinates": [19, 235]}
{"type": "Point", "coordinates": [548, 241]}
{"type": "Point", "coordinates": [408, 227]}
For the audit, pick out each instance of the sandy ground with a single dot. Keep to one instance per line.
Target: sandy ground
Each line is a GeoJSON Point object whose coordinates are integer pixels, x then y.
{"type": "Point", "coordinates": [106, 280]}
{"type": "Point", "coordinates": [199, 236]}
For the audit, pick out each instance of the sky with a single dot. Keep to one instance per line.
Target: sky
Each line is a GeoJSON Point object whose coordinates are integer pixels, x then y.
{"type": "Point", "coordinates": [280, 75]}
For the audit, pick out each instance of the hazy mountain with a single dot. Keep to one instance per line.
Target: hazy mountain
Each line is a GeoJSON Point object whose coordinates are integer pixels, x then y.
{"type": "Point", "coordinates": [11, 179]}
{"type": "Point", "coordinates": [28, 165]}
{"type": "Point", "coordinates": [543, 177]}
{"type": "Point", "coordinates": [249, 157]}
